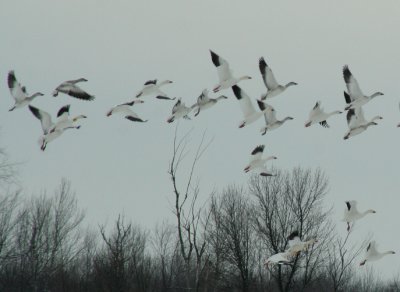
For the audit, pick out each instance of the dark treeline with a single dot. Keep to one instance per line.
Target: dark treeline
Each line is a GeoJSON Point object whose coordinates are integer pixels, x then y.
{"type": "Point", "coordinates": [219, 246]}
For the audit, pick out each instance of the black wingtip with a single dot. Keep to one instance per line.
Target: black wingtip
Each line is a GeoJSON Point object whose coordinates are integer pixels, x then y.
{"type": "Point", "coordinates": [346, 73]}
{"type": "Point", "coordinates": [237, 91]}
{"type": "Point", "coordinates": [11, 79]}
{"type": "Point", "coordinates": [215, 59]}
{"type": "Point", "coordinates": [259, 148]}
{"type": "Point", "coordinates": [261, 105]}
{"type": "Point", "coordinates": [347, 97]}
{"type": "Point", "coordinates": [293, 235]}
{"type": "Point", "coordinates": [262, 64]}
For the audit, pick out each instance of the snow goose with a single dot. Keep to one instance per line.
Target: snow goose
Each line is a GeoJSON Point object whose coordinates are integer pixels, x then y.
{"type": "Point", "coordinates": [180, 110]}
{"type": "Point", "coordinates": [50, 132]}
{"type": "Point", "coordinates": [225, 76]}
{"type": "Point", "coordinates": [71, 88]}
{"type": "Point", "coordinates": [18, 92]}
{"type": "Point", "coordinates": [153, 87]}
{"type": "Point", "coordinates": [282, 258]}
{"type": "Point", "coordinates": [257, 162]}
{"type": "Point", "coordinates": [358, 98]}
{"type": "Point", "coordinates": [273, 88]}
{"type": "Point", "coordinates": [317, 115]}
{"type": "Point", "coordinates": [271, 121]}
{"type": "Point", "coordinates": [125, 109]}
{"type": "Point", "coordinates": [296, 245]}
{"type": "Point", "coordinates": [64, 121]}
{"type": "Point", "coordinates": [204, 101]}
{"type": "Point", "coordinates": [356, 120]}
{"type": "Point", "coordinates": [372, 254]}
{"type": "Point", "coordinates": [351, 214]}
{"type": "Point", "coordinates": [249, 113]}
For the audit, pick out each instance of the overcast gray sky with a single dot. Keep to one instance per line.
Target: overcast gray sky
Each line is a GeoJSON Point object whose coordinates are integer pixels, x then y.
{"type": "Point", "coordinates": [117, 166]}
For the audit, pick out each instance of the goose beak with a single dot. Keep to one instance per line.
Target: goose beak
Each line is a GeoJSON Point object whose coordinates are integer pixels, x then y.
{"type": "Point", "coordinates": [307, 125]}
{"type": "Point", "coordinates": [247, 169]}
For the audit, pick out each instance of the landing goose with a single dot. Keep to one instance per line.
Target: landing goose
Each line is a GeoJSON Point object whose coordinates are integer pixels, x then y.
{"type": "Point", "coordinates": [225, 75]}
{"type": "Point", "coordinates": [273, 88]}
{"type": "Point", "coordinates": [180, 110]}
{"type": "Point", "coordinates": [317, 115]}
{"type": "Point", "coordinates": [356, 121]}
{"type": "Point", "coordinates": [249, 113]}
{"type": "Point", "coordinates": [357, 97]}
{"type": "Point", "coordinates": [153, 87]}
{"type": "Point", "coordinates": [18, 92]}
{"type": "Point", "coordinates": [351, 214]}
{"type": "Point", "coordinates": [125, 109]}
{"type": "Point", "coordinates": [50, 131]}
{"type": "Point", "coordinates": [372, 254]}
{"type": "Point", "coordinates": [296, 245]}
{"type": "Point", "coordinates": [71, 88]}
{"type": "Point", "coordinates": [282, 258]}
{"type": "Point", "coordinates": [204, 101]}
{"type": "Point", "coordinates": [271, 122]}
{"type": "Point", "coordinates": [257, 162]}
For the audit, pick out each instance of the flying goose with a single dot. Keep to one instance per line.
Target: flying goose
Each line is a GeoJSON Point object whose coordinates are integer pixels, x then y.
{"type": "Point", "coordinates": [317, 115]}
{"type": "Point", "coordinates": [356, 121]}
{"type": "Point", "coordinates": [71, 88]}
{"type": "Point", "coordinates": [257, 162]}
{"type": "Point", "coordinates": [271, 122]}
{"type": "Point", "coordinates": [64, 121]}
{"type": "Point", "coordinates": [249, 113]}
{"type": "Point", "coordinates": [372, 254]}
{"type": "Point", "coordinates": [273, 88]}
{"type": "Point", "coordinates": [351, 214]}
{"type": "Point", "coordinates": [358, 98]}
{"type": "Point", "coordinates": [50, 130]}
{"type": "Point", "coordinates": [225, 76]}
{"type": "Point", "coordinates": [204, 101]}
{"type": "Point", "coordinates": [153, 87]}
{"type": "Point", "coordinates": [125, 109]}
{"type": "Point", "coordinates": [180, 110]}
{"type": "Point", "coordinates": [18, 92]}
{"type": "Point", "coordinates": [296, 245]}
{"type": "Point", "coordinates": [282, 258]}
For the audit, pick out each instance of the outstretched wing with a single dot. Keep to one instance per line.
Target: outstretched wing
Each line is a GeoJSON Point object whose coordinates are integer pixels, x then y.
{"type": "Point", "coordinates": [267, 75]}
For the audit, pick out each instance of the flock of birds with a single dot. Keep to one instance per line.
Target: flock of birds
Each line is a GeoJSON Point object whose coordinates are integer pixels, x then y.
{"type": "Point", "coordinates": [354, 97]}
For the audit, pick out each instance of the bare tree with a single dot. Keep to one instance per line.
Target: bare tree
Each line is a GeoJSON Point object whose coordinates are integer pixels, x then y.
{"type": "Point", "coordinates": [341, 258]}
{"type": "Point", "coordinates": [190, 227]}
{"type": "Point", "coordinates": [292, 201]}
{"type": "Point", "coordinates": [125, 249]}
{"type": "Point", "coordinates": [231, 214]}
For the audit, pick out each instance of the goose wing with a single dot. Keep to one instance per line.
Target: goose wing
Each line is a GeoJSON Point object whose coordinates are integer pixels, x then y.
{"type": "Point", "coordinates": [63, 113]}
{"type": "Point", "coordinates": [371, 248]}
{"type": "Point", "coordinates": [17, 91]}
{"type": "Point", "coordinates": [44, 117]}
{"type": "Point", "coordinates": [351, 83]}
{"type": "Point", "coordinates": [77, 92]}
{"type": "Point", "coordinates": [176, 107]}
{"type": "Point", "coordinates": [224, 72]}
{"type": "Point", "coordinates": [256, 154]}
{"type": "Point", "coordinates": [203, 97]}
{"type": "Point", "coordinates": [244, 101]}
{"type": "Point", "coordinates": [267, 75]}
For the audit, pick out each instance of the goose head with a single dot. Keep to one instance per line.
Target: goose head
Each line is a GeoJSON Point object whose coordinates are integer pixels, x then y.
{"type": "Point", "coordinates": [37, 94]}
{"type": "Point", "coordinates": [290, 84]}
{"type": "Point", "coordinates": [376, 94]}
{"type": "Point", "coordinates": [376, 118]}
{"type": "Point", "coordinates": [246, 77]}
